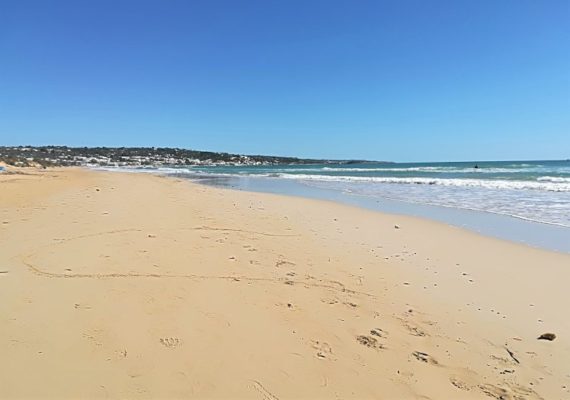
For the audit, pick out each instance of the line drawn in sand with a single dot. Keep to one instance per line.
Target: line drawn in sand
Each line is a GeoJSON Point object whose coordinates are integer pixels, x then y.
{"type": "Point", "coordinates": [265, 394]}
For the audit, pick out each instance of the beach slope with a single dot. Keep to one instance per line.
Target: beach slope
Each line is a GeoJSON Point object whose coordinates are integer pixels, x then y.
{"type": "Point", "coordinates": [137, 286]}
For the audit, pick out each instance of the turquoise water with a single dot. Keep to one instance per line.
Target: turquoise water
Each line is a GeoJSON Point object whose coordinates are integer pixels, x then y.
{"type": "Point", "coordinates": [539, 175]}
{"type": "Point", "coordinates": [533, 190]}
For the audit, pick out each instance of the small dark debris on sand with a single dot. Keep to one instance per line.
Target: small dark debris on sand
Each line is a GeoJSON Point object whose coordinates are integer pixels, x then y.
{"type": "Point", "coordinates": [512, 355]}
{"type": "Point", "coordinates": [396, 226]}
{"type": "Point", "coordinates": [547, 336]}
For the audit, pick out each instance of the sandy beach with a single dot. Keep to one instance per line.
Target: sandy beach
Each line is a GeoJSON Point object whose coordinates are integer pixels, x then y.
{"type": "Point", "coordinates": [136, 286]}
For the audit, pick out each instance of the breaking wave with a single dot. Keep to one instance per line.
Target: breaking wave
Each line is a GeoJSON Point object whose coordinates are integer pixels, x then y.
{"type": "Point", "coordinates": [551, 186]}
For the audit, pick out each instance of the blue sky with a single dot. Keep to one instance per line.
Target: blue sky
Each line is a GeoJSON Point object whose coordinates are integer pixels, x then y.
{"type": "Point", "coordinates": [399, 80]}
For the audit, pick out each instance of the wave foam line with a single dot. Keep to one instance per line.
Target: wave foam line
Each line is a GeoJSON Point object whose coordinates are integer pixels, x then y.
{"type": "Point", "coordinates": [484, 183]}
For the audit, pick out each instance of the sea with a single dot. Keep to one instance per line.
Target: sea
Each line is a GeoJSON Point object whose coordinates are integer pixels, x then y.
{"type": "Point", "coordinates": [471, 192]}
{"type": "Point", "coordinates": [533, 190]}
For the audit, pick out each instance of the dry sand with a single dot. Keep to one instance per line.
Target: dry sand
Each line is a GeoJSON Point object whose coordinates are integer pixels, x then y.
{"type": "Point", "coordinates": [136, 286]}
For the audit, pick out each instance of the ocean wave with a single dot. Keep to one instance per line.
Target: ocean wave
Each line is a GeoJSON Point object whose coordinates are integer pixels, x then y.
{"type": "Point", "coordinates": [481, 170]}
{"type": "Point", "coordinates": [556, 179]}
{"type": "Point", "coordinates": [390, 169]}
{"type": "Point", "coordinates": [541, 185]}
{"type": "Point", "coordinates": [544, 183]}
{"type": "Point", "coordinates": [458, 170]}
{"type": "Point", "coordinates": [148, 169]}
{"type": "Point", "coordinates": [484, 183]}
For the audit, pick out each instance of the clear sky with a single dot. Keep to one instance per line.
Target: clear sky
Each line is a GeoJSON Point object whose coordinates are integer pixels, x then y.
{"type": "Point", "coordinates": [399, 80]}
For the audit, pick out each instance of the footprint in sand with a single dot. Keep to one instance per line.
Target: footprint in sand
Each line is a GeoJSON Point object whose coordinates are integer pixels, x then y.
{"type": "Point", "coordinates": [170, 342]}
{"type": "Point", "coordinates": [424, 357]}
{"type": "Point", "coordinates": [282, 263]}
{"type": "Point", "coordinates": [378, 333]}
{"type": "Point", "coordinates": [414, 330]}
{"type": "Point", "coordinates": [510, 392]}
{"type": "Point", "coordinates": [122, 353]}
{"type": "Point", "coordinates": [369, 341]}
{"type": "Point", "coordinates": [324, 350]}
{"type": "Point", "coordinates": [503, 362]}
{"type": "Point", "coordinates": [459, 384]}
{"type": "Point", "coordinates": [330, 301]}
{"type": "Point", "coordinates": [94, 336]}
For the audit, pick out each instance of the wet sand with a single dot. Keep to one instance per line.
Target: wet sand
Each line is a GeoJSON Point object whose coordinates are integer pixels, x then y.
{"type": "Point", "coordinates": [535, 234]}
{"type": "Point", "coordinates": [137, 286]}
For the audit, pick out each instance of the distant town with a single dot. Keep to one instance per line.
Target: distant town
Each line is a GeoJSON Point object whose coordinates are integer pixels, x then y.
{"type": "Point", "coordinates": [63, 156]}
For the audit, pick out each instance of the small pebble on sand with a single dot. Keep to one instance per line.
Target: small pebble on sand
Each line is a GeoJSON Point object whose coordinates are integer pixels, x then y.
{"type": "Point", "coordinates": [547, 336]}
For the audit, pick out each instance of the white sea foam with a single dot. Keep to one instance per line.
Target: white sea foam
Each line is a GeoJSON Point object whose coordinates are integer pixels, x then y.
{"type": "Point", "coordinates": [533, 205]}
{"type": "Point", "coordinates": [556, 179]}
{"type": "Point", "coordinates": [387, 169]}
{"type": "Point", "coordinates": [155, 170]}
{"type": "Point", "coordinates": [467, 170]}
{"type": "Point", "coordinates": [485, 183]}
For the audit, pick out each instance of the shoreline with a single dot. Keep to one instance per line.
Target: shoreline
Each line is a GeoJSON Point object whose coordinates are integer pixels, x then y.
{"type": "Point", "coordinates": [515, 229]}
{"type": "Point", "coordinates": [145, 286]}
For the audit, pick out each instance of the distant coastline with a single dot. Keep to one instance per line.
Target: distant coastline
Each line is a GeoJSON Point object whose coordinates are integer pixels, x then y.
{"type": "Point", "coordinates": [64, 156]}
